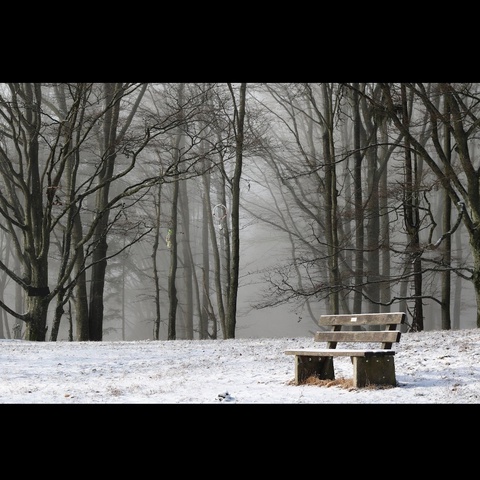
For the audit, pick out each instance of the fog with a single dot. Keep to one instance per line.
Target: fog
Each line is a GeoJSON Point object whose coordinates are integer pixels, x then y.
{"type": "Point", "coordinates": [326, 218]}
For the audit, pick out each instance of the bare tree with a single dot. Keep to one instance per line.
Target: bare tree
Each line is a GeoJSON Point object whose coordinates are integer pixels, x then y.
{"type": "Point", "coordinates": [239, 104]}
{"type": "Point", "coordinates": [155, 267]}
{"type": "Point", "coordinates": [458, 177]}
{"type": "Point", "coordinates": [114, 132]}
{"type": "Point", "coordinates": [47, 183]}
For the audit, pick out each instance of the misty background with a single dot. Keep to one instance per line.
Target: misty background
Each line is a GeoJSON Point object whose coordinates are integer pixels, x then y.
{"type": "Point", "coordinates": [122, 206]}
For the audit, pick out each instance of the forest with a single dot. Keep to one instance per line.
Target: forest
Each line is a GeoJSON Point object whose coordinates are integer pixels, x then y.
{"type": "Point", "coordinates": [144, 210]}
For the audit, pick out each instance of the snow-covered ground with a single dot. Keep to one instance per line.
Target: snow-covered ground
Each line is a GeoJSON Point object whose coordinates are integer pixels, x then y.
{"type": "Point", "coordinates": [431, 367]}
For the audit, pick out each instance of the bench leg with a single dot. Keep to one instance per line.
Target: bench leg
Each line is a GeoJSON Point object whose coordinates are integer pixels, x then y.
{"type": "Point", "coordinates": [374, 370]}
{"type": "Point", "coordinates": [320, 367]}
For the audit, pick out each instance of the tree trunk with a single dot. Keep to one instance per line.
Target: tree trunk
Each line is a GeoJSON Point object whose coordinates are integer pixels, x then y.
{"type": "Point", "coordinates": [99, 255]}
{"type": "Point", "coordinates": [36, 233]}
{"type": "Point", "coordinates": [372, 212]}
{"type": "Point", "coordinates": [36, 320]}
{"type": "Point", "coordinates": [113, 134]}
{"type": "Point", "coordinates": [447, 247]}
{"type": "Point", "coordinates": [385, 221]}
{"type": "Point", "coordinates": [205, 283]}
{"type": "Point", "coordinates": [331, 214]}
{"type": "Point", "coordinates": [172, 274]}
{"type": "Point", "coordinates": [188, 266]}
{"type": "Point", "coordinates": [81, 295]}
{"type": "Point", "coordinates": [358, 199]}
{"type": "Point", "coordinates": [155, 249]}
{"type": "Point", "coordinates": [238, 124]}
{"type": "Point", "coordinates": [457, 296]}
{"type": "Point", "coordinates": [412, 220]}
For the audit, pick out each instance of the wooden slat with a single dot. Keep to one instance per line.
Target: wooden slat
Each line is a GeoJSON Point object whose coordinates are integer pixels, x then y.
{"type": "Point", "coordinates": [381, 336]}
{"type": "Point", "coordinates": [338, 352]}
{"type": "Point", "coordinates": [353, 329]}
{"type": "Point", "coordinates": [391, 318]}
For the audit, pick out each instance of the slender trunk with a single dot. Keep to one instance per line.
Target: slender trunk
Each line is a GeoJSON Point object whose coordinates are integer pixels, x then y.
{"type": "Point", "coordinates": [217, 269]}
{"type": "Point", "coordinates": [188, 267]}
{"type": "Point", "coordinates": [457, 296]}
{"type": "Point", "coordinates": [81, 294]}
{"type": "Point", "coordinates": [385, 267]}
{"type": "Point", "coordinates": [205, 302]}
{"type": "Point", "coordinates": [239, 119]}
{"type": "Point", "coordinates": [156, 242]}
{"type": "Point", "coordinates": [359, 213]}
{"type": "Point", "coordinates": [172, 275]}
{"type": "Point", "coordinates": [412, 221]}
{"type": "Point", "coordinates": [331, 218]}
{"type": "Point", "coordinates": [447, 246]}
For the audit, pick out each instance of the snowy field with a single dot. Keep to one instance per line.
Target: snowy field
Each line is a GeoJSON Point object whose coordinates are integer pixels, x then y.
{"type": "Point", "coordinates": [431, 367]}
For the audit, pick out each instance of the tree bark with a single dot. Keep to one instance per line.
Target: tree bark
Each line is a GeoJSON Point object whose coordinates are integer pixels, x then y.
{"type": "Point", "coordinates": [238, 124]}
{"type": "Point", "coordinates": [172, 274]}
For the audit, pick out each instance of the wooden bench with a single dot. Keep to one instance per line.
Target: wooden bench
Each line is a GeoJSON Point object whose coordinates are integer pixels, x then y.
{"type": "Point", "coordinates": [371, 366]}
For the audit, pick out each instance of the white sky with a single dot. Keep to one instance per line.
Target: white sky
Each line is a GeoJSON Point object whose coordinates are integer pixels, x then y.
{"type": "Point", "coordinates": [431, 367]}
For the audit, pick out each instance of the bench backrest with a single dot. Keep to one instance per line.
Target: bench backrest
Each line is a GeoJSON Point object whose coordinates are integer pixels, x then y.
{"type": "Point", "coordinates": [339, 332]}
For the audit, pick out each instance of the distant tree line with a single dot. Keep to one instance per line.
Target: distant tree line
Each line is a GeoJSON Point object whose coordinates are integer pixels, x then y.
{"type": "Point", "coordinates": [123, 206]}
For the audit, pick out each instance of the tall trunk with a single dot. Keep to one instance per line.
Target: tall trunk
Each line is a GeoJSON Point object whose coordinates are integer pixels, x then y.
{"type": "Point", "coordinates": [457, 296]}
{"type": "Point", "coordinates": [81, 295]}
{"type": "Point", "coordinates": [372, 207]}
{"type": "Point", "coordinates": [373, 232]}
{"type": "Point", "coordinates": [358, 197]}
{"type": "Point", "coordinates": [239, 120]}
{"type": "Point", "coordinates": [113, 134]}
{"type": "Point", "coordinates": [99, 255]}
{"type": "Point", "coordinates": [412, 220]}
{"type": "Point", "coordinates": [73, 235]}
{"type": "Point", "coordinates": [36, 235]}
{"type": "Point", "coordinates": [447, 247]}
{"type": "Point", "coordinates": [155, 248]}
{"type": "Point", "coordinates": [172, 275]}
{"type": "Point", "coordinates": [385, 267]}
{"type": "Point", "coordinates": [205, 300]}
{"type": "Point", "coordinates": [188, 267]}
{"type": "Point", "coordinates": [224, 255]}
{"type": "Point", "coordinates": [331, 214]}
{"type": "Point", "coordinates": [217, 269]}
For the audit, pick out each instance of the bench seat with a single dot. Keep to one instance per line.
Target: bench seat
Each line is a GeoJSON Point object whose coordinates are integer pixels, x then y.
{"type": "Point", "coordinates": [337, 352]}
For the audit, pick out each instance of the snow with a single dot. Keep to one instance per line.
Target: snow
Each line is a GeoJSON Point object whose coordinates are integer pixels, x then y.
{"type": "Point", "coordinates": [431, 367]}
